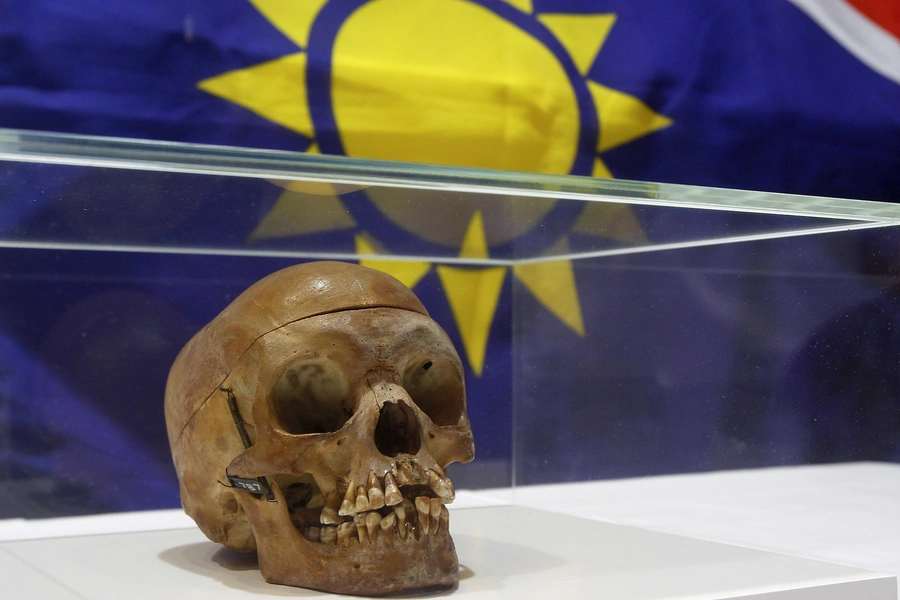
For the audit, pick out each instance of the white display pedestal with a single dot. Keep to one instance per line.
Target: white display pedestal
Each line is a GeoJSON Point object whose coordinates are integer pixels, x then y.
{"type": "Point", "coordinates": [505, 552]}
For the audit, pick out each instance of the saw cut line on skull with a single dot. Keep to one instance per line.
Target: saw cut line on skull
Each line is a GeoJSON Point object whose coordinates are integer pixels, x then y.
{"type": "Point", "coordinates": [312, 420]}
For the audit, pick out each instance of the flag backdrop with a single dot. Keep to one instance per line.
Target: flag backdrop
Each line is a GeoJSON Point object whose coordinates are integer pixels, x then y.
{"type": "Point", "coordinates": [695, 360]}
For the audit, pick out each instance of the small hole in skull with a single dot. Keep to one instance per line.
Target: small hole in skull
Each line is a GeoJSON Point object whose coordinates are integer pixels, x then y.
{"type": "Point", "coordinates": [427, 365]}
{"type": "Point", "coordinates": [397, 431]}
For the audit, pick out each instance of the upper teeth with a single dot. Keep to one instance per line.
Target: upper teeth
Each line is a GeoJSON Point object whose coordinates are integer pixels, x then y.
{"type": "Point", "coordinates": [392, 495]}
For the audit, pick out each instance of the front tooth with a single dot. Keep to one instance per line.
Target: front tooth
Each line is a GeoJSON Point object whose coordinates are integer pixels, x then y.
{"type": "Point", "coordinates": [434, 511]}
{"type": "Point", "coordinates": [360, 522]}
{"type": "Point", "coordinates": [344, 532]}
{"type": "Point", "coordinates": [401, 521]}
{"type": "Point", "coordinates": [348, 506]}
{"type": "Point", "coordinates": [373, 522]}
{"type": "Point", "coordinates": [328, 535]}
{"type": "Point", "coordinates": [442, 487]}
{"type": "Point", "coordinates": [392, 495]}
{"type": "Point", "coordinates": [313, 534]}
{"type": "Point", "coordinates": [387, 523]}
{"type": "Point", "coordinates": [362, 500]}
{"type": "Point", "coordinates": [376, 495]}
{"type": "Point", "coordinates": [410, 509]}
{"type": "Point", "coordinates": [423, 507]}
{"type": "Point", "coordinates": [445, 519]}
{"type": "Point", "coordinates": [329, 515]}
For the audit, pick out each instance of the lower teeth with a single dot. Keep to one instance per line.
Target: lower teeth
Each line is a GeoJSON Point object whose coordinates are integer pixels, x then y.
{"type": "Point", "coordinates": [386, 524]}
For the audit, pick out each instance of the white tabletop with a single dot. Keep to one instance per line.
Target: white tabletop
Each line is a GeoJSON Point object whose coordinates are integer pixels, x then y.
{"type": "Point", "coordinates": [846, 514]}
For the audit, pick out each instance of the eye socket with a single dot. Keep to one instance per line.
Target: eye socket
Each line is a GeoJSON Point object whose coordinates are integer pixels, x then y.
{"type": "Point", "coordinates": [312, 396]}
{"type": "Point", "coordinates": [436, 387]}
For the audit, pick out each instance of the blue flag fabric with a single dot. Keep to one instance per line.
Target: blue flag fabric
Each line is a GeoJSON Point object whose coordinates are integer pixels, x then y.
{"type": "Point", "coordinates": [759, 96]}
{"type": "Point", "coordinates": [699, 359]}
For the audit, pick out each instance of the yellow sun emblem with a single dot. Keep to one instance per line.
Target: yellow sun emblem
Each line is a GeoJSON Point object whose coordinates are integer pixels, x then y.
{"type": "Point", "coordinates": [483, 83]}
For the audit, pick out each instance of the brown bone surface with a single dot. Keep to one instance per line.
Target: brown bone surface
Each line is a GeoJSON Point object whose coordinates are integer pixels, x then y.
{"type": "Point", "coordinates": [353, 403]}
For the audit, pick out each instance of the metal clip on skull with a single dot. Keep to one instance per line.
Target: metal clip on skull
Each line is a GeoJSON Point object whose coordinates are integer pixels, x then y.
{"type": "Point", "coordinates": [259, 486]}
{"type": "Point", "coordinates": [349, 403]}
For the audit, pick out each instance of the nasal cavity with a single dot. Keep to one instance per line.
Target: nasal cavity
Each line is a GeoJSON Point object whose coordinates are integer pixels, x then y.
{"type": "Point", "coordinates": [397, 431]}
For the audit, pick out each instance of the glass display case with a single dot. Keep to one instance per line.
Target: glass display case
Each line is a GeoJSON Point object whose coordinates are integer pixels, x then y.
{"type": "Point", "coordinates": [608, 329]}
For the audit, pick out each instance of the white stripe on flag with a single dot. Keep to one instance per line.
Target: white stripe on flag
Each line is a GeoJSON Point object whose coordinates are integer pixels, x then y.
{"type": "Point", "coordinates": [864, 39]}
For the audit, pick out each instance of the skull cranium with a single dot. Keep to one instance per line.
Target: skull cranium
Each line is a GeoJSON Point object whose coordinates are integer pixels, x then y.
{"type": "Point", "coordinates": [333, 403]}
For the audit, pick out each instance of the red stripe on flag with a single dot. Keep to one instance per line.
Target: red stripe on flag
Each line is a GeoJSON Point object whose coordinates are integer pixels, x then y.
{"type": "Point", "coordinates": [884, 13]}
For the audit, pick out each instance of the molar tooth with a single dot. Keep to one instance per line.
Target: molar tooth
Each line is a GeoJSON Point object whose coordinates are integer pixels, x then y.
{"type": "Point", "coordinates": [329, 515]}
{"type": "Point", "coordinates": [376, 495]}
{"type": "Point", "coordinates": [360, 522]}
{"type": "Point", "coordinates": [348, 506]}
{"type": "Point", "coordinates": [392, 495]}
{"type": "Point", "coordinates": [423, 508]}
{"type": "Point", "coordinates": [313, 534]}
{"type": "Point", "coordinates": [329, 535]}
{"type": "Point", "coordinates": [441, 486]}
{"type": "Point", "coordinates": [362, 500]}
{"type": "Point", "coordinates": [400, 511]}
{"type": "Point", "coordinates": [344, 532]}
{"type": "Point", "coordinates": [316, 501]}
{"type": "Point", "coordinates": [373, 522]}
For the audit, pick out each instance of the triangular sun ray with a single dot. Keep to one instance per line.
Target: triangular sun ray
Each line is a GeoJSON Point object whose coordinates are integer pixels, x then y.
{"type": "Point", "coordinates": [600, 169]}
{"type": "Point", "coordinates": [293, 18]}
{"type": "Point", "coordinates": [610, 220]}
{"type": "Point", "coordinates": [296, 213]}
{"type": "Point", "coordinates": [623, 118]}
{"type": "Point", "coordinates": [474, 243]}
{"type": "Point", "coordinates": [318, 188]}
{"type": "Point", "coordinates": [409, 273]}
{"type": "Point", "coordinates": [275, 90]}
{"type": "Point", "coordinates": [581, 35]}
{"type": "Point", "coordinates": [552, 283]}
{"type": "Point", "coordinates": [473, 294]}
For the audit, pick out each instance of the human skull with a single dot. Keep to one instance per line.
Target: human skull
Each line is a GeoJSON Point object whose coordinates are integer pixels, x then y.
{"type": "Point", "coordinates": [312, 420]}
